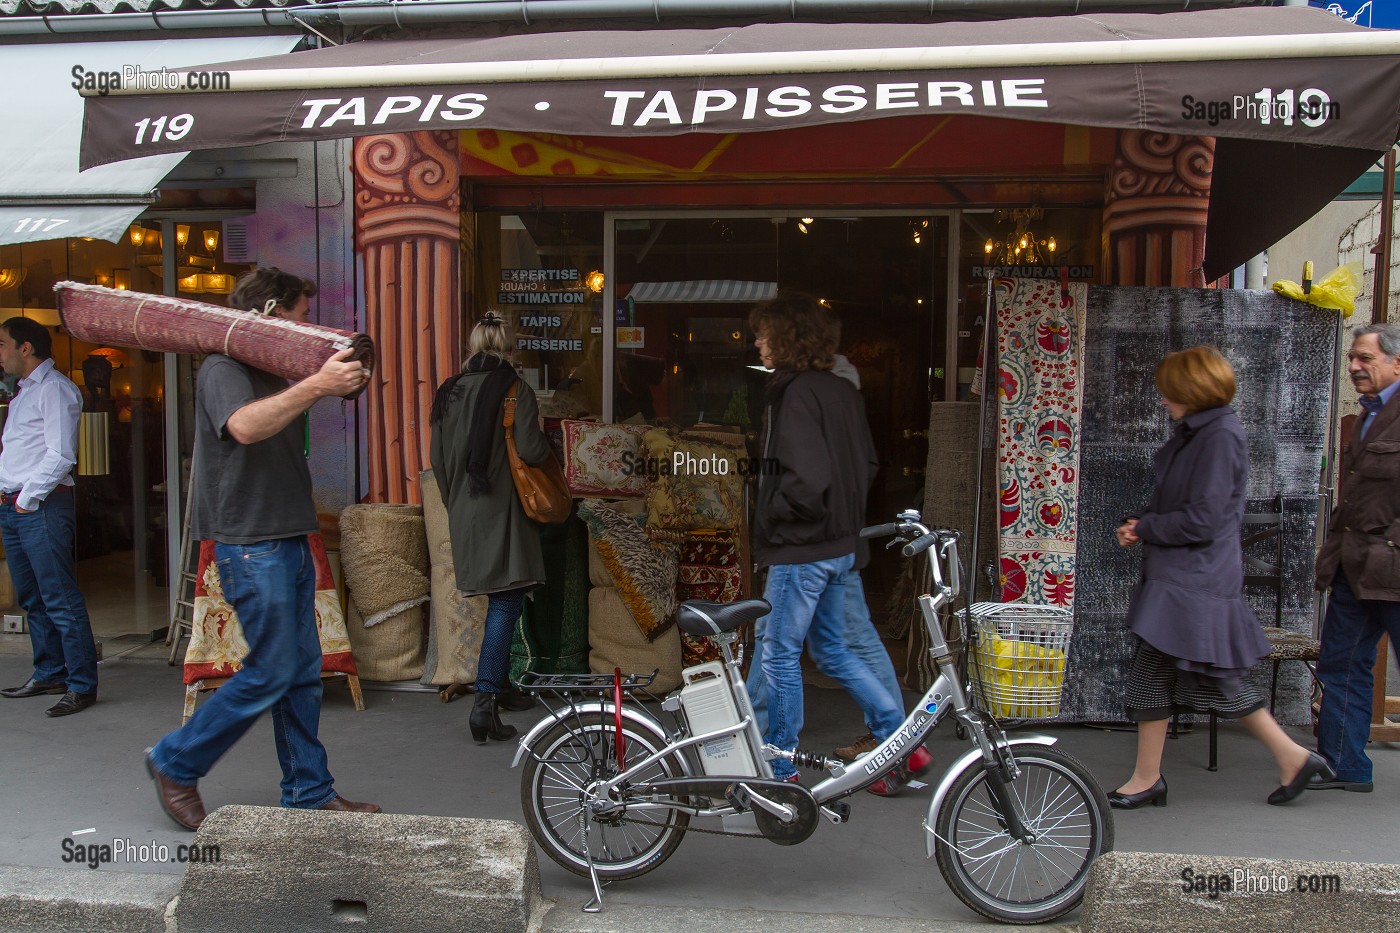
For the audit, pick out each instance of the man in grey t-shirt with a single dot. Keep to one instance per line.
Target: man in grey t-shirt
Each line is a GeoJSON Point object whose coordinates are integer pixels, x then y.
{"type": "Point", "coordinates": [252, 497]}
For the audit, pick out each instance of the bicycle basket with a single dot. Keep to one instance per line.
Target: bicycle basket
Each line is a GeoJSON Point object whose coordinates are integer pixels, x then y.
{"type": "Point", "coordinates": [1017, 658]}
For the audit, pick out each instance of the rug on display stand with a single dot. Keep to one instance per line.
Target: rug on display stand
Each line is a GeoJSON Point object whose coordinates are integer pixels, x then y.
{"type": "Point", "coordinates": [217, 645]}
{"type": "Point", "coordinates": [1040, 378]}
{"type": "Point", "coordinates": [1283, 352]}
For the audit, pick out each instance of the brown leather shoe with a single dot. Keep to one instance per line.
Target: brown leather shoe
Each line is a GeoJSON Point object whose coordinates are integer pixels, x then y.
{"type": "Point", "coordinates": [349, 806]}
{"type": "Point", "coordinates": [179, 801]}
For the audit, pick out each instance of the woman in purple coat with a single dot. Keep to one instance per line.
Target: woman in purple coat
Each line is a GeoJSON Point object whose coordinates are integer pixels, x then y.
{"type": "Point", "coordinates": [1197, 638]}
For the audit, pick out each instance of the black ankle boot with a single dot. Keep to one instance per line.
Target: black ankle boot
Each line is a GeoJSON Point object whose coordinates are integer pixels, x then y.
{"type": "Point", "coordinates": [486, 721]}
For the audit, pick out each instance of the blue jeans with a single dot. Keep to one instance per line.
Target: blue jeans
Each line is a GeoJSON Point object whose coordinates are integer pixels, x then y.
{"type": "Point", "coordinates": [272, 587]}
{"type": "Point", "coordinates": [809, 606]}
{"type": "Point", "coordinates": [493, 664]}
{"type": "Point", "coordinates": [1350, 633]}
{"type": "Point", "coordinates": [861, 637]}
{"type": "Point", "coordinates": [39, 550]}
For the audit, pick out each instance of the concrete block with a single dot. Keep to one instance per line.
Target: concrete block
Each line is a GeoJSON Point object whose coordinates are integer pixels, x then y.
{"type": "Point", "coordinates": [1138, 892]}
{"type": "Point", "coordinates": [41, 900]}
{"type": "Point", "coordinates": [286, 871]}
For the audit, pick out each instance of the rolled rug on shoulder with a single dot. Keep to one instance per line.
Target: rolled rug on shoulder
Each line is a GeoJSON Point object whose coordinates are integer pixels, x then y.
{"type": "Point", "coordinates": [289, 349]}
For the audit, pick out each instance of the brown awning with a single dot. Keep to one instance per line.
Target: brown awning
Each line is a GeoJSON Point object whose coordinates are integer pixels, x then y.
{"type": "Point", "coordinates": [1316, 98]}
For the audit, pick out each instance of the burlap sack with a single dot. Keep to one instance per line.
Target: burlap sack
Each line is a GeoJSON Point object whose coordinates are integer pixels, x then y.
{"type": "Point", "coordinates": [615, 641]}
{"type": "Point", "coordinates": [391, 650]}
{"type": "Point", "coordinates": [384, 554]}
{"type": "Point", "coordinates": [456, 623]}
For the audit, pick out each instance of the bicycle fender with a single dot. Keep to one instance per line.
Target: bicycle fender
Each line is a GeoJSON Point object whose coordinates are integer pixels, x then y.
{"type": "Point", "coordinates": [634, 716]}
{"type": "Point", "coordinates": [964, 761]}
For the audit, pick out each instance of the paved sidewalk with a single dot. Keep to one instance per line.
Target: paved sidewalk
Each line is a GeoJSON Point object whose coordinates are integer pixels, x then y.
{"type": "Point", "coordinates": [412, 754]}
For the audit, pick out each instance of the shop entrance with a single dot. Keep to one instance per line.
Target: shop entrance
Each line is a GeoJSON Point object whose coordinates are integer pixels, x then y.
{"type": "Point", "coordinates": [683, 285]}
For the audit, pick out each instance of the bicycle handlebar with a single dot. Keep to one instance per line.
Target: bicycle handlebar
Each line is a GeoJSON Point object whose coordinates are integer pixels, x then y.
{"type": "Point", "coordinates": [879, 531]}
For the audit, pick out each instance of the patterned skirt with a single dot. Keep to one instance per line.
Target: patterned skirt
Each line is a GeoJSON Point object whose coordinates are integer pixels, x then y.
{"type": "Point", "coordinates": [1156, 690]}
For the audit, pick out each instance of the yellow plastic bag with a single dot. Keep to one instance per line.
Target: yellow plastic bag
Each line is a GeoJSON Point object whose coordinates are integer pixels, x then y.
{"type": "Point", "coordinates": [1335, 291]}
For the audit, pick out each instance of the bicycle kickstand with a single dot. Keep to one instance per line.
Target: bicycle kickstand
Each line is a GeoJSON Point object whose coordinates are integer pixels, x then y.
{"type": "Point", "coordinates": [584, 824]}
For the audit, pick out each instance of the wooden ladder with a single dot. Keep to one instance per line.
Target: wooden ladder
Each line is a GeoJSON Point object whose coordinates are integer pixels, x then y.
{"type": "Point", "coordinates": [182, 618]}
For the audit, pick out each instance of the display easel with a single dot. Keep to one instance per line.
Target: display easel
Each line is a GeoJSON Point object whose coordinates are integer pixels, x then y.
{"type": "Point", "coordinates": [1383, 729]}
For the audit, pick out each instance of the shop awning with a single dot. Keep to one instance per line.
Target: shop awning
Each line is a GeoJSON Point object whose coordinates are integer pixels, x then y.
{"type": "Point", "coordinates": [704, 290]}
{"type": "Point", "coordinates": [1317, 98]}
{"type": "Point", "coordinates": [43, 196]}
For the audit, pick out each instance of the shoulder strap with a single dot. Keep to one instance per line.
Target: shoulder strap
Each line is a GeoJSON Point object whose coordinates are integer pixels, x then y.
{"type": "Point", "coordinates": [509, 420]}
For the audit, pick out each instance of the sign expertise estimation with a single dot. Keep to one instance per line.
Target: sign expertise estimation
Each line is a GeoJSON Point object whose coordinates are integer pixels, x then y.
{"type": "Point", "coordinates": [542, 287]}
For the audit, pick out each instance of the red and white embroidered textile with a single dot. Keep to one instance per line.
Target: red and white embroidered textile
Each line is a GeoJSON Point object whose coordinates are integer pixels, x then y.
{"type": "Point", "coordinates": [1040, 379]}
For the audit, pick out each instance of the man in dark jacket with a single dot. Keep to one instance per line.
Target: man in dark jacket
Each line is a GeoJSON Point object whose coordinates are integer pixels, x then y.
{"type": "Point", "coordinates": [1360, 560]}
{"type": "Point", "coordinates": [808, 517]}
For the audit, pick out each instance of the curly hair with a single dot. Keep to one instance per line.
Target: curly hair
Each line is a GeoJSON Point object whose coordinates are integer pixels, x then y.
{"type": "Point", "coordinates": [255, 289]}
{"type": "Point", "coordinates": [801, 333]}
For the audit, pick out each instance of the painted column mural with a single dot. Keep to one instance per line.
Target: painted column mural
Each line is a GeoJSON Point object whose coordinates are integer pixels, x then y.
{"type": "Point", "coordinates": [407, 231]}
{"type": "Point", "coordinates": [1154, 229]}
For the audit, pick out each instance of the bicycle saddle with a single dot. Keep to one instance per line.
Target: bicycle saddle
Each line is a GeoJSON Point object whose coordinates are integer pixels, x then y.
{"type": "Point", "coordinates": [698, 617]}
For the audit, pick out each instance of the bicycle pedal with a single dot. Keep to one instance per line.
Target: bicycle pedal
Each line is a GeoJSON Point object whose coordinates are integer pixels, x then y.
{"type": "Point", "coordinates": [837, 813]}
{"type": "Point", "coordinates": [914, 784]}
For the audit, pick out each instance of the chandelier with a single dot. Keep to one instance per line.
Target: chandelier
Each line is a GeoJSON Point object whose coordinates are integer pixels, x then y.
{"type": "Point", "coordinates": [1022, 246]}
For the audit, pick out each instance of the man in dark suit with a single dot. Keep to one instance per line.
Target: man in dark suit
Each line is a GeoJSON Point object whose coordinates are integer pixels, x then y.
{"type": "Point", "coordinates": [1360, 560]}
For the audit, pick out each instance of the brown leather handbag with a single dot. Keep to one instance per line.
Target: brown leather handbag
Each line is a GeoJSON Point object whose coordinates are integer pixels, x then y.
{"type": "Point", "coordinates": [543, 492]}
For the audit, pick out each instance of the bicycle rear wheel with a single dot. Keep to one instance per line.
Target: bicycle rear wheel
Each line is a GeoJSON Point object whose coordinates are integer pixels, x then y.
{"type": "Point", "coordinates": [1016, 882]}
{"type": "Point", "coordinates": [567, 760]}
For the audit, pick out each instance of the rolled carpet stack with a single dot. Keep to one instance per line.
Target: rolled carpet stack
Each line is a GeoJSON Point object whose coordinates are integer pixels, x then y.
{"type": "Point", "coordinates": [289, 349]}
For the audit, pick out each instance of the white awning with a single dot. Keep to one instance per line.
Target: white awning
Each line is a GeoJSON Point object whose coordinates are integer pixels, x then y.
{"type": "Point", "coordinates": [43, 196]}
{"type": "Point", "coordinates": [704, 290]}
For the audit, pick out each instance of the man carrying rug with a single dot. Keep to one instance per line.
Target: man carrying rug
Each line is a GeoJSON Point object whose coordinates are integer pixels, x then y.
{"type": "Point", "coordinates": [37, 519]}
{"type": "Point", "coordinates": [1360, 560]}
{"type": "Point", "coordinates": [252, 496]}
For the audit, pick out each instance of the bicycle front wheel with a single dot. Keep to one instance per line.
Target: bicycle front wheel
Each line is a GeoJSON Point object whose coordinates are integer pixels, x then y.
{"type": "Point", "coordinates": [563, 763]}
{"type": "Point", "coordinates": [1012, 881]}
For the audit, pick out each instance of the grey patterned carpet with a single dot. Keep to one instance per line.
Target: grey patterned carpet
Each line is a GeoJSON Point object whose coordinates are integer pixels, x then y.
{"type": "Point", "coordinates": [1282, 351]}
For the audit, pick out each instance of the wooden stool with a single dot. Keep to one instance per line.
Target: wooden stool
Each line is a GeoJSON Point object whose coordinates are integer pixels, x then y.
{"type": "Point", "coordinates": [1383, 729]}
{"type": "Point", "coordinates": [192, 691]}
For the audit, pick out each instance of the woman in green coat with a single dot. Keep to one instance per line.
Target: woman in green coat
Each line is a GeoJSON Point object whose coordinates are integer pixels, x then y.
{"type": "Point", "coordinates": [495, 548]}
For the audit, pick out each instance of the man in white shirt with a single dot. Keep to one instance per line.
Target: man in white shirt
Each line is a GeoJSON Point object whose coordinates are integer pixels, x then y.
{"type": "Point", "coordinates": [39, 452]}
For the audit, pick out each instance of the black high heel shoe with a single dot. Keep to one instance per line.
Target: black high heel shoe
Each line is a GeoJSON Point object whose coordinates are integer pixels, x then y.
{"type": "Point", "coordinates": [1315, 764]}
{"type": "Point", "coordinates": [486, 722]}
{"type": "Point", "coordinates": [1155, 795]}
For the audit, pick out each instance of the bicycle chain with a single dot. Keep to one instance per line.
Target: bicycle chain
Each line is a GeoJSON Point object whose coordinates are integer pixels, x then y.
{"type": "Point", "coordinates": [692, 828]}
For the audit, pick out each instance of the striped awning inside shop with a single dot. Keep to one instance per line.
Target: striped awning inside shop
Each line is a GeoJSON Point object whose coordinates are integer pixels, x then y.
{"type": "Point", "coordinates": [704, 290]}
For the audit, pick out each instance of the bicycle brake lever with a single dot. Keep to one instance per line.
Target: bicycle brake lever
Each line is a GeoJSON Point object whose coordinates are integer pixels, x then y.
{"type": "Point", "coordinates": [894, 542]}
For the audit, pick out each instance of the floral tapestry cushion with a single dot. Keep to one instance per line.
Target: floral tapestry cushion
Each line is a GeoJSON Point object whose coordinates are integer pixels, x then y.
{"type": "Point", "coordinates": [604, 459]}
{"type": "Point", "coordinates": [697, 485]}
{"type": "Point", "coordinates": [643, 571]}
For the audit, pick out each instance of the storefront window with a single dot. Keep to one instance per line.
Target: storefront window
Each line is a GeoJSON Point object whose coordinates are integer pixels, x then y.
{"type": "Point", "coordinates": [544, 273]}
{"type": "Point", "coordinates": [121, 488]}
{"type": "Point", "coordinates": [1057, 242]}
